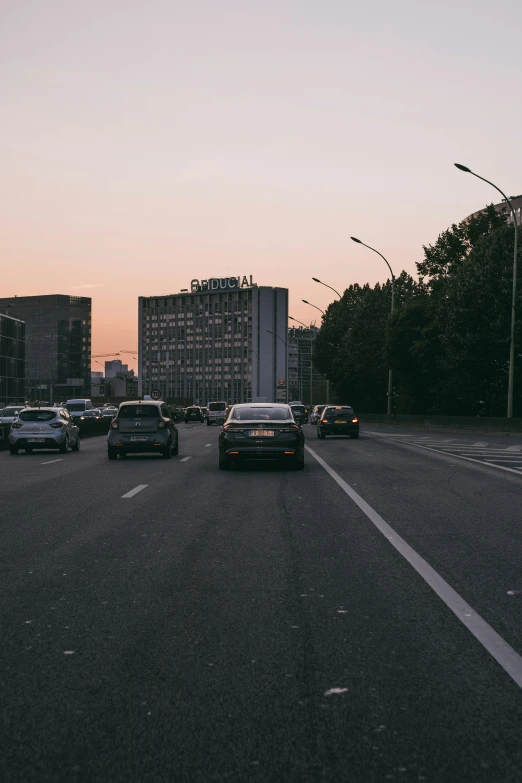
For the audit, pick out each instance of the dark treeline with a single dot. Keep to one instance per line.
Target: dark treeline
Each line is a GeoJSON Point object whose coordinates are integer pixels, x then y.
{"type": "Point", "coordinates": [448, 340]}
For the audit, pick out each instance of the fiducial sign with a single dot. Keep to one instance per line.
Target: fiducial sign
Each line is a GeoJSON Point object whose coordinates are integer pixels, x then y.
{"type": "Point", "coordinates": [221, 283]}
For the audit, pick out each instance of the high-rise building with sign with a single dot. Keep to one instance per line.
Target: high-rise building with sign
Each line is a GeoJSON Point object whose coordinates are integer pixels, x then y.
{"type": "Point", "coordinates": [58, 344]}
{"type": "Point", "coordinates": [225, 339]}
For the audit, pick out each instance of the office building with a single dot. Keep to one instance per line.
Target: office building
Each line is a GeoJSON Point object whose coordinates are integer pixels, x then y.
{"type": "Point", "coordinates": [58, 344]}
{"type": "Point", "coordinates": [225, 339]}
{"type": "Point", "coordinates": [115, 368]}
{"type": "Point", "coordinates": [12, 360]}
{"type": "Point", "coordinates": [304, 383]}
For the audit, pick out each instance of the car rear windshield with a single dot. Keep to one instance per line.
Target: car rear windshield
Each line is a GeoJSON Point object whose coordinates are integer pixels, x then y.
{"type": "Point", "coordinates": [261, 414]}
{"type": "Point", "coordinates": [217, 406]}
{"type": "Point", "coordinates": [341, 413]}
{"type": "Point", "coordinates": [38, 416]}
{"type": "Point", "coordinates": [11, 411]}
{"type": "Point", "coordinates": [139, 412]}
{"type": "Point", "coordinates": [192, 410]}
{"type": "Point", "coordinates": [298, 408]}
{"type": "Point", "coordinates": [75, 406]}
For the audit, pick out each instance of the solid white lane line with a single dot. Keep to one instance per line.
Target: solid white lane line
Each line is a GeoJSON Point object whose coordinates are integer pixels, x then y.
{"type": "Point", "coordinates": [135, 491]}
{"type": "Point", "coordinates": [480, 443]}
{"type": "Point", "coordinates": [51, 462]}
{"type": "Point", "coordinates": [501, 651]}
{"type": "Point", "coordinates": [185, 459]}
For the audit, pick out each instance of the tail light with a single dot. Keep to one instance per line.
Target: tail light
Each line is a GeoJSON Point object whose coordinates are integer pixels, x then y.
{"type": "Point", "coordinates": [114, 424]}
{"type": "Point", "coordinates": [15, 426]}
{"type": "Point", "coordinates": [57, 425]}
{"type": "Point", "coordinates": [324, 421]}
{"type": "Point", "coordinates": [354, 421]}
{"type": "Point", "coordinates": [290, 428]}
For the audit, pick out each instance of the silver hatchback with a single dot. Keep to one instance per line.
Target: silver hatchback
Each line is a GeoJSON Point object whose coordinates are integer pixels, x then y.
{"type": "Point", "coordinates": [44, 428]}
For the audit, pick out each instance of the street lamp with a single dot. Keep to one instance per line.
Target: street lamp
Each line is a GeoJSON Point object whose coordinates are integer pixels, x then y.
{"type": "Point", "coordinates": [299, 322]}
{"type": "Point", "coordinates": [312, 305]}
{"type": "Point", "coordinates": [390, 372]}
{"type": "Point", "coordinates": [511, 376]}
{"type": "Point", "coordinates": [327, 286]}
{"type": "Point", "coordinates": [286, 359]}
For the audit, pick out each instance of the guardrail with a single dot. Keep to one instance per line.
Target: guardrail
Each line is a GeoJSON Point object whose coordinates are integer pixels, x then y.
{"type": "Point", "coordinates": [482, 423]}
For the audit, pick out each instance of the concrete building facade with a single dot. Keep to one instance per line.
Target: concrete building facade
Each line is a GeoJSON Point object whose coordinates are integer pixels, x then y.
{"type": "Point", "coordinates": [225, 339]}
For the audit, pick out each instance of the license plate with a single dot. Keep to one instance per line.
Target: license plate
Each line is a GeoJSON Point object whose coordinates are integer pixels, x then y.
{"type": "Point", "coordinates": [138, 437]}
{"type": "Point", "coordinates": [262, 433]}
{"type": "Point", "coordinates": [36, 440]}
{"type": "Point", "coordinates": [341, 421]}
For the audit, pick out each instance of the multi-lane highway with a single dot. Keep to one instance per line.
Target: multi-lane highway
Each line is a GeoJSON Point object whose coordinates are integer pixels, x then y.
{"type": "Point", "coordinates": [357, 621]}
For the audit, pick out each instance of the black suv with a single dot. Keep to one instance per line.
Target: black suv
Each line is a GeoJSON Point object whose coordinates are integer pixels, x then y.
{"type": "Point", "coordinates": [194, 413]}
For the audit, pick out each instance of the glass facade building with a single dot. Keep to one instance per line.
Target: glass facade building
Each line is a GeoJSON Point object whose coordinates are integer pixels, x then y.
{"type": "Point", "coordinates": [12, 360]}
{"type": "Point", "coordinates": [227, 344]}
{"type": "Point", "coordinates": [58, 344]}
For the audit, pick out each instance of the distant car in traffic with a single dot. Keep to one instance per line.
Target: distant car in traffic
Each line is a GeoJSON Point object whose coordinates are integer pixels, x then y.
{"type": "Point", "coordinates": [44, 428]}
{"type": "Point", "coordinates": [260, 432]}
{"type": "Point", "coordinates": [217, 412]}
{"type": "Point", "coordinates": [78, 407]}
{"type": "Point", "coordinates": [10, 413]}
{"type": "Point", "coordinates": [338, 420]}
{"type": "Point", "coordinates": [193, 413]}
{"type": "Point", "coordinates": [142, 427]}
{"type": "Point", "coordinates": [300, 413]}
{"type": "Point", "coordinates": [316, 413]}
{"type": "Point", "coordinates": [108, 413]}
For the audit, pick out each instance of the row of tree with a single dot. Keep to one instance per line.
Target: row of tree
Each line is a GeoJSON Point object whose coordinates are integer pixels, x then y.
{"type": "Point", "coordinates": [448, 340]}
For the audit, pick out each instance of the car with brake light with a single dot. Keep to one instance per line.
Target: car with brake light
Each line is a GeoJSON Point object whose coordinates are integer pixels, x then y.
{"type": "Point", "coordinates": [194, 413]}
{"type": "Point", "coordinates": [143, 427]}
{"type": "Point", "coordinates": [261, 432]}
{"type": "Point", "coordinates": [44, 428]}
{"type": "Point", "coordinates": [338, 420]}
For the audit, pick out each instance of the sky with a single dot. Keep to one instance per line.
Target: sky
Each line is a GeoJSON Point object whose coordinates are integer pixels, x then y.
{"type": "Point", "coordinates": [143, 144]}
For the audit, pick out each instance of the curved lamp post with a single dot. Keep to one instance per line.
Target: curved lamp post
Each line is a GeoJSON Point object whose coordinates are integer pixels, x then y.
{"type": "Point", "coordinates": [390, 371]}
{"type": "Point", "coordinates": [316, 279]}
{"type": "Point", "coordinates": [511, 376]}
{"type": "Point", "coordinates": [298, 322]}
{"type": "Point", "coordinates": [312, 305]}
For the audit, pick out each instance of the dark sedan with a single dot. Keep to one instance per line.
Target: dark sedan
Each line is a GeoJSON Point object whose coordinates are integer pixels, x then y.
{"type": "Point", "coordinates": [300, 413]}
{"type": "Point", "coordinates": [338, 420]}
{"type": "Point", "coordinates": [193, 413]}
{"type": "Point", "coordinates": [261, 432]}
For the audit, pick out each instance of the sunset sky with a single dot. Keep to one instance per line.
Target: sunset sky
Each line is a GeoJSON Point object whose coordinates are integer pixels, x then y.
{"type": "Point", "coordinates": [147, 143]}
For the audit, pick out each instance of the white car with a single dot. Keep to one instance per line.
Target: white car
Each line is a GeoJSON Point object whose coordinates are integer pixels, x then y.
{"type": "Point", "coordinates": [44, 428]}
{"type": "Point", "coordinates": [10, 413]}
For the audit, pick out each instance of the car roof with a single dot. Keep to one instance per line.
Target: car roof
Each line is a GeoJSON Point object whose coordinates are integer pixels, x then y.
{"type": "Point", "coordinates": [43, 408]}
{"type": "Point", "coordinates": [142, 402]}
{"type": "Point", "coordinates": [261, 405]}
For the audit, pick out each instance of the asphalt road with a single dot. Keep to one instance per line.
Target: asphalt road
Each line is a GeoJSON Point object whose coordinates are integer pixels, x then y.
{"type": "Point", "coordinates": [356, 621]}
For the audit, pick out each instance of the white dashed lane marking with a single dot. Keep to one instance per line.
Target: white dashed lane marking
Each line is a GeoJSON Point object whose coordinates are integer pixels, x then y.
{"type": "Point", "coordinates": [185, 459]}
{"type": "Point", "coordinates": [207, 445]}
{"type": "Point", "coordinates": [51, 462]}
{"type": "Point", "coordinates": [135, 491]}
